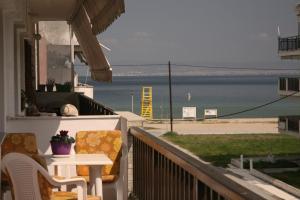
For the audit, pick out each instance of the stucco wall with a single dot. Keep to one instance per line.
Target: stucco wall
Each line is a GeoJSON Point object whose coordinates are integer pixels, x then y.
{"type": "Point", "coordinates": [45, 127]}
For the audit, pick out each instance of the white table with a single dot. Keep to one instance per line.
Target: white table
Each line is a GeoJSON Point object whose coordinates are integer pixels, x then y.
{"type": "Point", "coordinates": [94, 161]}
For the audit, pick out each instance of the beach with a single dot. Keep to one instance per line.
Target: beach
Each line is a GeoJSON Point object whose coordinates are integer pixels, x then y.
{"type": "Point", "coordinates": [215, 126]}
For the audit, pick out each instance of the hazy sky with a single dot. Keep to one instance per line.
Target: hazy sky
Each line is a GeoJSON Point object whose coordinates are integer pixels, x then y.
{"type": "Point", "coordinates": [204, 32]}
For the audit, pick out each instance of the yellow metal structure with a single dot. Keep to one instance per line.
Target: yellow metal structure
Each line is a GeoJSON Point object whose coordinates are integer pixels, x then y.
{"type": "Point", "coordinates": [146, 103]}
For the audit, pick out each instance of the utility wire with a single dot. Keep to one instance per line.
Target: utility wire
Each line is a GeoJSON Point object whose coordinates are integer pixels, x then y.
{"type": "Point", "coordinates": [239, 68]}
{"type": "Point", "coordinates": [199, 66]}
{"type": "Point", "coordinates": [253, 108]}
{"type": "Point", "coordinates": [216, 67]}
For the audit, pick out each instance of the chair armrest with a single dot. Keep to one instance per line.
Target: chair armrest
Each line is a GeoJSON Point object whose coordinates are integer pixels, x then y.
{"type": "Point", "coordinates": [69, 181]}
{"type": "Point", "coordinates": [79, 182]}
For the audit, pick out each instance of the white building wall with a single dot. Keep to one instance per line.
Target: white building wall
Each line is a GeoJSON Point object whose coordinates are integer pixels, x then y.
{"type": "Point", "coordinates": [2, 81]}
{"type": "Point", "coordinates": [45, 127]}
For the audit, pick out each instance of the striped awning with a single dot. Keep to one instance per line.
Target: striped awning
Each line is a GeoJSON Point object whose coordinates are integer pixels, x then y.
{"type": "Point", "coordinates": [99, 67]}
{"type": "Point", "coordinates": [93, 17]}
{"type": "Point", "coordinates": [102, 13]}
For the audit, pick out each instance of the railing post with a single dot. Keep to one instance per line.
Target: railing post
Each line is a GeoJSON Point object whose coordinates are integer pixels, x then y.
{"type": "Point", "coordinates": [242, 161]}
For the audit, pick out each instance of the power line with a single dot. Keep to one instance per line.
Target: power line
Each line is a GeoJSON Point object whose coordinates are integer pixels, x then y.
{"type": "Point", "coordinates": [199, 66]}
{"type": "Point", "coordinates": [239, 68]}
{"type": "Point", "coordinates": [253, 108]}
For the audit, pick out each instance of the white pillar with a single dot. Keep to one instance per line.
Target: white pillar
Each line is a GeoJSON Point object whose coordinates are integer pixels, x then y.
{"type": "Point", "coordinates": [2, 81]}
{"type": "Point", "coordinates": [19, 64]}
{"type": "Point", "coordinates": [12, 15]}
{"type": "Point", "coordinates": [251, 164]}
{"type": "Point", "coordinates": [9, 63]}
{"type": "Point", "coordinates": [242, 161]}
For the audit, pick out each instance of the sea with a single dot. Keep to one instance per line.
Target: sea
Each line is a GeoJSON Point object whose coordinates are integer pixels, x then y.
{"type": "Point", "coordinates": [227, 94]}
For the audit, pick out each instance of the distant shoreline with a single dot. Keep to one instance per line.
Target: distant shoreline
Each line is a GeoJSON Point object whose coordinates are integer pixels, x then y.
{"type": "Point", "coordinates": [208, 76]}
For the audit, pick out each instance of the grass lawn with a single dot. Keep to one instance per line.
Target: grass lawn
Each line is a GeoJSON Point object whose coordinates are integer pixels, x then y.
{"type": "Point", "coordinates": [219, 149]}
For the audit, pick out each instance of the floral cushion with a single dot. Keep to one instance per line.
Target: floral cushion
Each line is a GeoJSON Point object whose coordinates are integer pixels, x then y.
{"type": "Point", "coordinates": [70, 196]}
{"type": "Point", "coordinates": [25, 143]}
{"type": "Point", "coordinates": [108, 142]}
{"type": "Point", "coordinates": [20, 143]}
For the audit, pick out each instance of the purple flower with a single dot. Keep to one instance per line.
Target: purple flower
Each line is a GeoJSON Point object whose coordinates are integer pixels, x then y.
{"type": "Point", "coordinates": [63, 132]}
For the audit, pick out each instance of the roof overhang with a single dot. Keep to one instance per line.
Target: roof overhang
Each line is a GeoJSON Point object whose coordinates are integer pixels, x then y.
{"type": "Point", "coordinates": [87, 18]}
{"type": "Point", "coordinates": [51, 10]}
{"type": "Point", "coordinates": [101, 13]}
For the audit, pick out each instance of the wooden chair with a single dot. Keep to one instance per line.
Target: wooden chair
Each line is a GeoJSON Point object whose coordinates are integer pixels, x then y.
{"type": "Point", "coordinates": [25, 174]}
{"type": "Point", "coordinates": [110, 143]}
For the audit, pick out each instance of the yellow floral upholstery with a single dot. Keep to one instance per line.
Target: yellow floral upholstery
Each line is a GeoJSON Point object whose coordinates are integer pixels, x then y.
{"type": "Point", "coordinates": [20, 143]}
{"type": "Point", "coordinates": [70, 196]}
{"type": "Point", "coordinates": [108, 142]}
{"type": "Point", "coordinates": [25, 143]}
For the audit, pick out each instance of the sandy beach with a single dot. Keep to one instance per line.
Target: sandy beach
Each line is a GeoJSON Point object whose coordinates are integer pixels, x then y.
{"type": "Point", "coordinates": [215, 126]}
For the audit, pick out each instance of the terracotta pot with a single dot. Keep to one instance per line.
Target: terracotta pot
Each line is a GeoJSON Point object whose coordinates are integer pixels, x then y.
{"type": "Point", "coordinates": [60, 148]}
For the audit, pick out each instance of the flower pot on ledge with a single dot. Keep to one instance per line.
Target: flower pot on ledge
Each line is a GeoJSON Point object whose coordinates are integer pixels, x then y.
{"type": "Point", "coordinates": [61, 143]}
{"type": "Point", "coordinates": [60, 148]}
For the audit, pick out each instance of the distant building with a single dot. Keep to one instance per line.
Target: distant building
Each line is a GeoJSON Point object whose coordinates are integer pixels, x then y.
{"type": "Point", "coordinates": [289, 48]}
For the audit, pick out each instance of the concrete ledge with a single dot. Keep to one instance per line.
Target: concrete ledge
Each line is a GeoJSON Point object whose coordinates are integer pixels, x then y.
{"type": "Point", "coordinates": [286, 187]}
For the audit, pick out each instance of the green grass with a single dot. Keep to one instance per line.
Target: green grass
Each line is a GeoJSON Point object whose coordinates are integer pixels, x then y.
{"type": "Point", "coordinates": [291, 178]}
{"type": "Point", "coordinates": [170, 134]}
{"type": "Point", "coordinates": [219, 149]}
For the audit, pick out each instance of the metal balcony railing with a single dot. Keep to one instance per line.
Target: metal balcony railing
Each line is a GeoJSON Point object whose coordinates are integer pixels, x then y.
{"type": "Point", "coordinates": [88, 106]}
{"type": "Point", "coordinates": [289, 43]}
{"type": "Point", "coordinates": [289, 84]}
{"type": "Point", "coordinates": [164, 172]}
{"type": "Point", "coordinates": [52, 102]}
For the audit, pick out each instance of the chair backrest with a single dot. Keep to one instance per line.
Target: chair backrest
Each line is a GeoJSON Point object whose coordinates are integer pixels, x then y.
{"type": "Point", "coordinates": [24, 143]}
{"type": "Point", "coordinates": [24, 173]}
{"type": "Point", "coordinates": [19, 142]}
{"type": "Point", "coordinates": [104, 141]}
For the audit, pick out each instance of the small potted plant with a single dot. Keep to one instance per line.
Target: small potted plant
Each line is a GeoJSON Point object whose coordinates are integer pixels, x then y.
{"type": "Point", "coordinates": [66, 87]}
{"type": "Point", "coordinates": [50, 84]}
{"type": "Point", "coordinates": [61, 143]}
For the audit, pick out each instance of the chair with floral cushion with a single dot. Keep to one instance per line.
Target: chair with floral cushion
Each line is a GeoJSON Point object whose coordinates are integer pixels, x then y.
{"type": "Point", "coordinates": [110, 143]}
{"type": "Point", "coordinates": [25, 174]}
{"type": "Point", "coordinates": [24, 143]}
{"type": "Point", "coordinates": [21, 143]}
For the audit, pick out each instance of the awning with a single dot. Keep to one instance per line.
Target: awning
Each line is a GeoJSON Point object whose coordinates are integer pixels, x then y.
{"type": "Point", "coordinates": [99, 67]}
{"type": "Point", "coordinates": [87, 18]}
{"type": "Point", "coordinates": [103, 13]}
{"type": "Point", "coordinates": [92, 18]}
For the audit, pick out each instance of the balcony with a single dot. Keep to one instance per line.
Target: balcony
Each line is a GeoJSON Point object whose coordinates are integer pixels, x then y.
{"type": "Point", "coordinates": [162, 171]}
{"type": "Point", "coordinates": [289, 47]}
{"type": "Point", "coordinates": [288, 86]}
{"type": "Point", "coordinates": [289, 124]}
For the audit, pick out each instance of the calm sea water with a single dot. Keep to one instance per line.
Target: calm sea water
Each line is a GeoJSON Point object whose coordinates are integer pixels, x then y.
{"type": "Point", "coordinates": [227, 94]}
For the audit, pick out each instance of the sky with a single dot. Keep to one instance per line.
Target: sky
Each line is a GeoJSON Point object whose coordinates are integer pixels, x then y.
{"type": "Point", "coordinates": [202, 32]}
